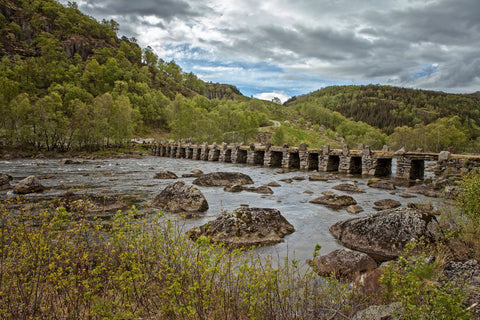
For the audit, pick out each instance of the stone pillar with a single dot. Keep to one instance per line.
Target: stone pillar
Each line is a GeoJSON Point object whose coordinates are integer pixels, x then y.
{"type": "Point", "coordinates": [344, 165]}
{"type": "Point", "coordinates": [223, 151]}
{"type": "Point", "coordinates": [251, 155]}
{"type": "Point", "coordinates": [235, 153]}
{"type": "Point", "coordinates": [323, 159]}
{"type": "Point", "coordinates": [368, 163]}
{"type": "Point", "coordinates": [214, 153]}
{"type": "Point", "coordinates": [204, 152]}
{"type": "Point", "coordinates": [303, 155]}
{"type": "Point", "coordinates": [179, 151]}
{"type": "Point", "coordinates": [189, 152]}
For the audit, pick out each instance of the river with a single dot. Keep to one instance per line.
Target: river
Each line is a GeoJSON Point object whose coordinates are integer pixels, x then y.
{"type": "Point", "coordinates": [133, 180]}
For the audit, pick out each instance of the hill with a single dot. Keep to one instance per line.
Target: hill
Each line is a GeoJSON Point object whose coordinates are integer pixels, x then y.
{"type": "Point", "coordinates": [441, 119]}
{"type": "Point", "coordinates": [387, 107]}
{"type": "Point", "coordinates": [69, 82]}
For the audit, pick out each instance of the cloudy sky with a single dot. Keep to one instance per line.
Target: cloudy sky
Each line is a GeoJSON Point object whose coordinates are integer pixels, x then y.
{"type": "Point", "coordinates": [291, 47]}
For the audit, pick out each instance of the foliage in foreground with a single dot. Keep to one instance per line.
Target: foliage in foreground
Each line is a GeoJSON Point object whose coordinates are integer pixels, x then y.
{"type": "Point", "coordinates": [416, 283]}
{"type": "Point", "coordinates": [416, 279]}
{"type": "Point", "coordinates": [52, 265]}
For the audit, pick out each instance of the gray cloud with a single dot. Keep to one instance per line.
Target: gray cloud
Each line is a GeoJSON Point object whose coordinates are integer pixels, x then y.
{"type": "Point", "coordinates": [164, 9]}
{"type": "Point", "coordinates": [418, 43]}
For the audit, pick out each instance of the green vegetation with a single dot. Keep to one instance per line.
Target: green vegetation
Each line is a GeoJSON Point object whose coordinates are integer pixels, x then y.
{"type": "Point", "coordinates": [296, 134]}
{"type": "Point", "coordinates": [413, 119]}
{"type": "Point", "coordinates": [53, 262]}
{"type": "Point", "coordinates": [68, 83]}
{"type": "Point", "coordinates": [415, 281]}
{"type": "Point", "coordinates": [56, 262]}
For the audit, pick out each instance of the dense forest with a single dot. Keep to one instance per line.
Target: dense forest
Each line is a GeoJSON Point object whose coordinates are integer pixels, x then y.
{"type": "Point", "coordinates": [70, 83]}
{"type": "Point", "coordinates": [413, 119]}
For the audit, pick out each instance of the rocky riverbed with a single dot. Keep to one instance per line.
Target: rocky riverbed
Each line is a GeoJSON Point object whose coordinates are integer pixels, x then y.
{"type": "Point", "coordinates": [135, 180]}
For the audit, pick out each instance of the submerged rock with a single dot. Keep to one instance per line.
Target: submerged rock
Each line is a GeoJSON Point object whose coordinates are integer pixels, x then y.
{"type": "Point", "coordinates": [334, 201]}
{"type": "Point", "coordinates": [244, 227]}
{"type": "Point", "coordinates": [354, 209]}
{"type": "Point", "coordinates": [240, 188]}
{"type": "Point", "coordinates": [195, 173]}
{"type": "Point", "coordinates": [29, 185]}
{"type": "Point", "coordinates": [383, 235]}
{"type": "Point", "coordinates": [316, 177]}
{"type": "Point", "coordinates": [273, 184]}
{"type": "Point", "coordinates": [223, 179]}
{"type": "Point", "coordinates": [181, 197]}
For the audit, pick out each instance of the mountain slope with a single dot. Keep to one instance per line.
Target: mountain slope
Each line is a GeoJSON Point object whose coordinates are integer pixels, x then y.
{"type": "Point", "coordinates": [387, 107]}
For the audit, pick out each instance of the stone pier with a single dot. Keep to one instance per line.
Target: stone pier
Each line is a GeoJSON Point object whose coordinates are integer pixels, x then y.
{"type": "Point", "coordinates": [409, 165]}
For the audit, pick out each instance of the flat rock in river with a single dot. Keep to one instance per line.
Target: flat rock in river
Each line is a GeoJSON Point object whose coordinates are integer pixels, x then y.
{"type": "Point", "coordinates": [223, 179]}
{"type": "Point", "coordinates": [334, 201]}
{"type": "Point", "coordinates": [348, 187]}
{"type": "Point", "coordinates": [165, 174]}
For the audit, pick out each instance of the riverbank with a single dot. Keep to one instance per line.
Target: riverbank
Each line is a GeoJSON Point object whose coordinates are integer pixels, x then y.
{"type": "Point", "coordinates": [133, 151]}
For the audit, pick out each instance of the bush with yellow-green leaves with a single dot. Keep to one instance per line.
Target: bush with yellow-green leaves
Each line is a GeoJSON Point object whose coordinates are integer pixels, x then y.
{"type": "Point", "coordinates": [56, 265]}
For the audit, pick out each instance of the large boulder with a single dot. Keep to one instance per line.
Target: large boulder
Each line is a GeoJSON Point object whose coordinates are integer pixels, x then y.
{"type": "Point", "coordinates": [5, 181]}
{"type": "Point", "coordinates": [244, 227]}
{"type": "Point", "coordinates": [30, 184]}
{"type": "Point", "coordinates": [383, 235]}
{"type": "Point", "coordinates": [165, 174]}
{"type": "Point", "coordinates": [223, 179]}
{"type": "Point", "coordinates": [348, 187]}
{"type": "Point", "coordinates": [343, 263]}
{"type": "Point", "coordinates": [334, 201]}
{"type": "Point", "coordinates": [181, 197]}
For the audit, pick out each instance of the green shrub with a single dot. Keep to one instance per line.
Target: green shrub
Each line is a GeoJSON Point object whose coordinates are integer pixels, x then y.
{"type": "Point", "coordinates": [56, 263]}
{"type": "Point", "coordinates": [468, 198]}
{"type": "Point", "coordinates": [416, 283]}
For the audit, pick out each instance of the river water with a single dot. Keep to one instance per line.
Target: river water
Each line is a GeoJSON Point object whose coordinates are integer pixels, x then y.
{"type": "Point", "coordinates": [133, 180]}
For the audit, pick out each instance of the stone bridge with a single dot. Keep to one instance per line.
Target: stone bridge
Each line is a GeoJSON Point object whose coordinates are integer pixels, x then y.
{"type": "Point", "coordinates": [409, 165]}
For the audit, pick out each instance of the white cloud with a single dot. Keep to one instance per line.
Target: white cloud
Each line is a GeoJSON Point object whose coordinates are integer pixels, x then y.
{"type": "Point", "coordinates": [271, 95]}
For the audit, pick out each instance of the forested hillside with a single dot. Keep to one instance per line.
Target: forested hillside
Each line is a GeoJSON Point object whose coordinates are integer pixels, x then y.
{"type": "Point", "coordinates": [412, 118]}
{"type": "Point", "coordinates": [68, 82]}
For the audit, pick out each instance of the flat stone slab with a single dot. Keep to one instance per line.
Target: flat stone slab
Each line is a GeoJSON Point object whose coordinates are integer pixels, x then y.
{"type": "Point", "coordinates": [334, 201]}
{"type": "Point", "coordinates": [223, 179]}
